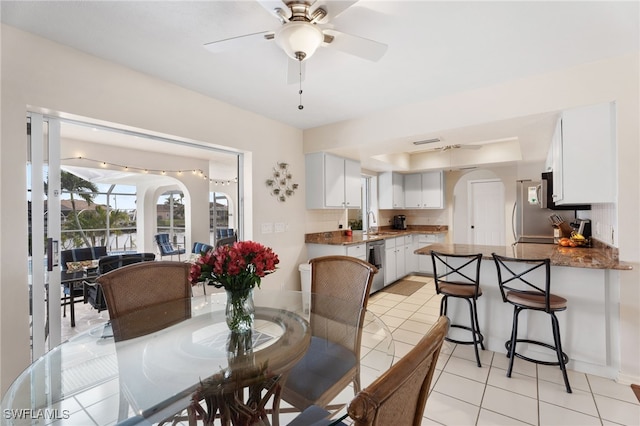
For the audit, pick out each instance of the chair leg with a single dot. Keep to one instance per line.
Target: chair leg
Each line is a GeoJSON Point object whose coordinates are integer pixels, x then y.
{"type": "Point", "coordinates": [558, 344]}
{"type": "Point", "coordinates": [443, 306]}
{"type": "Point", "coordinates": [512, 343]}
{"type": "Point", "coordinates": [475, 315]}
{"type": "Point", "coordinates": [474, 332]}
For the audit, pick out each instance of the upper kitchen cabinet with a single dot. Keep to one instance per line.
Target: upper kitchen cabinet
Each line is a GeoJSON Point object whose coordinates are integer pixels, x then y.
{"type": "Point", "coordinates": [583, 156]}
{"type": "Point", "coordinates": [332, 182]}
{"type": "Point", "coordinates": [424, 190]}
{"type": "Point", "coordinates": [390, 190]}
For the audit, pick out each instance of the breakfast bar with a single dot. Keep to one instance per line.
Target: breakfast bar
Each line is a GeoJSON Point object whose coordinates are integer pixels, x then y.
{"type": "Point", "coordinates": [585, 276]}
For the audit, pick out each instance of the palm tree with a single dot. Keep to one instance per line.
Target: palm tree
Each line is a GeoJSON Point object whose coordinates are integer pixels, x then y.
{"type": "Point", "coordinates": [83, 189]}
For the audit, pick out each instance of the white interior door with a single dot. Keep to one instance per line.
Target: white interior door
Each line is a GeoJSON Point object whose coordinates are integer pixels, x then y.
{"type": "Point", "coordinates": [486, 212]}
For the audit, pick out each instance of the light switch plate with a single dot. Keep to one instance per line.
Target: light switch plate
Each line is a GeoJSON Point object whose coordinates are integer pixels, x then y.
{"type": "Point", "coordinates": [267, 228]}
{"type": "Point", "coordinates": [280, 227]}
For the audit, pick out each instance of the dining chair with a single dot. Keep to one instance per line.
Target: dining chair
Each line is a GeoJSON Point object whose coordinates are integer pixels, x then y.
{"type": "Point", "coordinates": [165, 247]}
{"type": "Point", "coordinates": [131, 293]}
{"type": "Point", "coordinates": [458, 276]}
{"type": "Point", "coordinates": [399, 396]}
{"type": "Point", "coordinates": [142, 285]}
{"type": "Point", "coordinates": [526, 284]}
{"type": "Point", "coordinates": [333, 358]}
{"type": "Point", "coordinates": [93, 291]}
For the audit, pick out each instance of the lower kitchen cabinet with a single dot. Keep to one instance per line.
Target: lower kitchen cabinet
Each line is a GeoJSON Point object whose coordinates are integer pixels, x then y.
{"type": "Point", "coordinates": [395, 250]}
{"type": "Point", "coordinates": [425, 265]}
{"type": "Point", "coordinates": [356, 250]}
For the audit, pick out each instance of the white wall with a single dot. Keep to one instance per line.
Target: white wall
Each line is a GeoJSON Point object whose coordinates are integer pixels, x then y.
{"type": "Point", "coordinates": [604, 81]}
{"type": "Point", "coordinates": [40, 75]}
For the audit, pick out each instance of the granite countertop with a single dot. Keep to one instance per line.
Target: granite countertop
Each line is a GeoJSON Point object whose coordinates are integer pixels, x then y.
{"type": "Point", "coordinates": [600, 256]}
{"type": "Point", "coordinates": [358, 237]}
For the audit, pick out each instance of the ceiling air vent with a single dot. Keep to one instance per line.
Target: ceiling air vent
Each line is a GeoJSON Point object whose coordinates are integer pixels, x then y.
{"type": "Point", "coordinates": [426, 141]}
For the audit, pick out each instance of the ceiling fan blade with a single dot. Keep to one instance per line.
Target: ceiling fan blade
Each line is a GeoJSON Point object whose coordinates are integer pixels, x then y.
{"type": "Point", "coordinates": [333, 8]}
{"type": "Point", "coordinates": [272, 6]}
{"type": "Point", "coordinates": [357, 46]}
{"type": "Point", "coordinates": [294, 70]}
{"type": "Point", "coordinates": [237, 43]}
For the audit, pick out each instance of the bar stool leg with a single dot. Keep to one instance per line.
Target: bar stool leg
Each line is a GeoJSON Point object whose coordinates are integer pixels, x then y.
{"type": "Point", "coordinates": [443, 306]}
{"type": "Point", "coordinates": [474, 331]}
{"type": "Point", "coordinates": [475, 315]}
{"type": "Point", "coordinates": [514, 336]}
{"type": "Point", "coordinates": [561, 359]}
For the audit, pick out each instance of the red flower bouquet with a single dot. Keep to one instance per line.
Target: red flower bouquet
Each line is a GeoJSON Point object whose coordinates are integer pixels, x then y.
{"type": "Point", "coordinates": [236, 268]}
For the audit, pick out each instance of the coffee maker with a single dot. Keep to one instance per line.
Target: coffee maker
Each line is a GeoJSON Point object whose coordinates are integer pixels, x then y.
{"type": "Point", "coordinates": [399, 221]}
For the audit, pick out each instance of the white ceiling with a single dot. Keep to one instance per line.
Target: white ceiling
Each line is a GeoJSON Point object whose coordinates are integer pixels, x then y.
{"type": "Point", "coordinates": [435, 48]}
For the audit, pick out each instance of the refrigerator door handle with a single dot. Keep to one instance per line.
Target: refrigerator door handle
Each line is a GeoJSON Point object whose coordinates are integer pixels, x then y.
{"type": "Point", "coordinates": [513, 224]}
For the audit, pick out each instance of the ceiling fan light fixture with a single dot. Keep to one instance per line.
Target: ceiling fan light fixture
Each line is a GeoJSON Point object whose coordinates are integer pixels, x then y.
{"type": "Point", "coordinates": [299, 40]}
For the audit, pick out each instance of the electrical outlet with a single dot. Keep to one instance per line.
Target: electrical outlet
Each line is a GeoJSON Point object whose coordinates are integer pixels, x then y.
{"type": "Point", "coordinates": [279, 227]}
{"type": "Point", "coordinates": [267, 228]}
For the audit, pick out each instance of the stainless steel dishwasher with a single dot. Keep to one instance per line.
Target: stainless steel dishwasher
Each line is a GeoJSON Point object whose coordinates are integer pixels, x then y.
{"type": "Point", "coordinates": [375, 256]}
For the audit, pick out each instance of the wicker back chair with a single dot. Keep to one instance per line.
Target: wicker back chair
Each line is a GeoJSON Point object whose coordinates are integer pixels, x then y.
{"type": "Point", "coordinates": [131, 288]}
{"type": "Point", "coordinates": [333, 358]}
{"type": "Point", "coordinates": [399, 396]}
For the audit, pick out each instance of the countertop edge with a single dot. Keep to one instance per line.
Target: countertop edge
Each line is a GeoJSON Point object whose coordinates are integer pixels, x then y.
{"type": "Point", "coordinates": [572, 257]}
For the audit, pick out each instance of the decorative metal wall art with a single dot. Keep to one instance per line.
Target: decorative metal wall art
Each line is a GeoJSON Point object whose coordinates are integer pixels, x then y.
{"type": "Point", "coordinates": [281, 184]}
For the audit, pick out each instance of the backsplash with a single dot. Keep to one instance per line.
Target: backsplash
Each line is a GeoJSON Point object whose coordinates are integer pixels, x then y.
{"type": "Point", "coordinates": [604, 223]}
{"type": "Point", "coordinates": [415, 217]}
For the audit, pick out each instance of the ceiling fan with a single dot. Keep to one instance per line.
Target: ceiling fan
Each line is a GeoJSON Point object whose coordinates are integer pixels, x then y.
{"type": "Point", "coordinates": [456, 146]}
{"type": "Point", "coordinates": [302, 31]}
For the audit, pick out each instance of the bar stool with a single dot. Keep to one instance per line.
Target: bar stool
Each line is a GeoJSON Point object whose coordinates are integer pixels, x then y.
{"type": "Point", "coordinates": [524, 290]}
{"type": "Point", "coordinates": [460, 281]}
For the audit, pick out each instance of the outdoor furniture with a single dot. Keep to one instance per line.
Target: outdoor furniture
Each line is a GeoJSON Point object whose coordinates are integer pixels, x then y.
{"type": "Point", "coordinates": [199, 248]}
{"type": "Point", "coordinates": [333, 359]}
{"type": "Point", "coordinates": [165, 246]}
{"type": "Point", "coordinates": [93, 291]}
{"type": "Point", "coordinates": [458, 276]}
{"type": "Point", "coordinates": [526, 284]}
{"type": "Point", "coordinates": [74, 266]}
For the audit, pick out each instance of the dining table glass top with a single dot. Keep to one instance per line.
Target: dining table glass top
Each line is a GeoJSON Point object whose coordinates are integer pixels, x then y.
{"type": "Point", "coordinates": [154, 372]}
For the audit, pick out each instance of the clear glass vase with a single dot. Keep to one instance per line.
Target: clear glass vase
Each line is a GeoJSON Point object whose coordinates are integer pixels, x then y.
{"type": "Point", "coordinates": [240, 310]}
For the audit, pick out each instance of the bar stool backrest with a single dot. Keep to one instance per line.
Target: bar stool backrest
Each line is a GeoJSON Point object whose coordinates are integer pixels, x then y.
{"type": "Point", "coordinates": [447, 270]}
{"type": "Point", "coordinates": [534, 280]}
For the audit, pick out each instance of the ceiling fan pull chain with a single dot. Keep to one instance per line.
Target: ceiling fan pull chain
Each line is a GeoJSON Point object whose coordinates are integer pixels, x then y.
{"type": "Point", "coordinates": [300, 106]}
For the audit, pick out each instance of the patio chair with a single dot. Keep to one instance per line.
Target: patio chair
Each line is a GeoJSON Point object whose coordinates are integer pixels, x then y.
{"type": "Point", "coordinates": [333, 358]}
{"type": "Point", "coordinates": [69, 262]}
{"type": "Point", "coordinates": [93, 291]}
{"type": "Point", "coordinates": [166, 248]}
{"type": "Point", "coordinates": [199, 248]}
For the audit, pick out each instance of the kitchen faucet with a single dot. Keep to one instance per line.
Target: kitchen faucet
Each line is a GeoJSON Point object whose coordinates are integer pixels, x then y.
{"type": "Point", "coordinates": [371, 229]}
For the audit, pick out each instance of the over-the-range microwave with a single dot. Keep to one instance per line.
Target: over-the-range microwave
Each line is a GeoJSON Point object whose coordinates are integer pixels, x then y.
{"type": "Point", "coordinates": [547, 196]}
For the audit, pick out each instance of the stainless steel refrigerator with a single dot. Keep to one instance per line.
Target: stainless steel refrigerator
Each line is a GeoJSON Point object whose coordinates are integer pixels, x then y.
{"type": "Point", "coordinates": [530, 221]}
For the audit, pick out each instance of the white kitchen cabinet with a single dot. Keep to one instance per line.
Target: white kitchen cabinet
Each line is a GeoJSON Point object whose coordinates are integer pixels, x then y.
{"type": "Point", "coordinates": [584, 156]}
{"type": "Point", "coordinates": [355, 250]}
{"type": "Point", "coordinates": [332, 182]}
{"type": "Point", "coordinates": [390, 190]}
{"type": "Point", "coordinates": [425, 265]}
{"type": "Point", "coordinates": [395, 266]}
{"type": "Point", "coordinates": [424, 190]}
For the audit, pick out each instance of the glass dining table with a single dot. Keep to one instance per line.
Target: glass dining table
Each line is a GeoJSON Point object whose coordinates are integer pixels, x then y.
{"type": "Point", "coordinates": [169, 364]}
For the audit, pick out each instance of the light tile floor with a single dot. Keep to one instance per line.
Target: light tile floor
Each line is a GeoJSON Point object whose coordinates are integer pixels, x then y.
{"type": "Point", "coordinates": [462, 393]}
